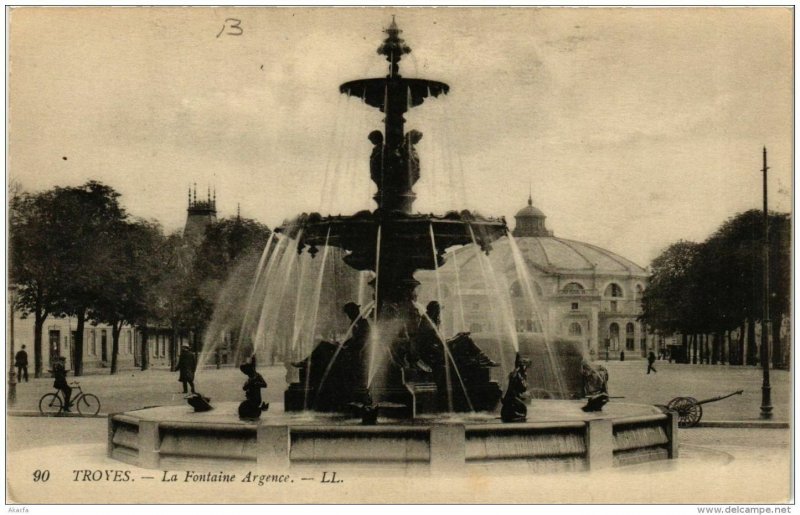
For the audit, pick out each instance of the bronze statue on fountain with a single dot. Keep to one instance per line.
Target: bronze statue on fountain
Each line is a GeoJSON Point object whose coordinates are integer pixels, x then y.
{"type": "Point", "coordinates": [420, 372]}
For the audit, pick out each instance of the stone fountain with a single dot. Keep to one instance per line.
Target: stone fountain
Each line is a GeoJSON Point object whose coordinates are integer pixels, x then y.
{"type": "Point", "coordinates": [430, 414]}
{"type": "Point", "coordinates": [394, 243]}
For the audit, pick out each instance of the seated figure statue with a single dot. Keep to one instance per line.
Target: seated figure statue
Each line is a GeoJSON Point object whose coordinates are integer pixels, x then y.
{"type": "Point", "coordinates": [376, 157]}
{"type": "Point", "coordinates": [595, 386]}
{"type": "Point", "coordinates": [336, 363]}
{"type": "Point", "coordinates": [515, 408]}
{"type": "Point", "coordinates": [428, 346]}
{"type": "Point", "coordinates": [410, 155]}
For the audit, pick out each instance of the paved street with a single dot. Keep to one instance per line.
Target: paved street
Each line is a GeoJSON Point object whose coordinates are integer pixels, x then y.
{"type": "Point", "coordinates": [133, 389]}
{"type": "Point", "coordinates": [744, 464]}
{"type": "Point", "coordinates": [715, 465]}
{"type": "Point", "coordinates": [629, 379]}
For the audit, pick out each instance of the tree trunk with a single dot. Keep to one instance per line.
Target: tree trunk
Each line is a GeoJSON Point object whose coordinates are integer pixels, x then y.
{"type": "Point", "coordinates": [686, 349]}
{"type": "Point", "coordinates": [703, 348]}
{"type": "Point", "coordinates": [173, 347]}
{"type": "Point", "coordinates": [78, 364]}
{"type": "Point", "coordinates": [145, 351]}
{"type": "Point", "coordinates": [694, 349]}
{"type": "Point", "coordinates": [751, 342]}
{"type": "Point", "coordinates": [726, 342]}
{"type": "Point", "coordinates": [777, 345]}
{"type": "Point", "coordinates": [715, 343]}
{"type": "Point", "coordinates": [116, 329]}
{"type": "Point", "coordinates": [740, 345]}
{"type": "Point", "coordinates": [38, 323]}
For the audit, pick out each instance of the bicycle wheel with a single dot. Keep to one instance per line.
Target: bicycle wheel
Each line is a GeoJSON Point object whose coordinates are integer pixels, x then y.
{"type": "Point", "coordinates": [88, 404]}
{"type": "Point", "coordinates": [50, 404]}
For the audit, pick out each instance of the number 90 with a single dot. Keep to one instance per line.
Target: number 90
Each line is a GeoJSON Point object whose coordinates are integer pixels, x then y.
{"type": "Point", "coordinates": [41, 475]}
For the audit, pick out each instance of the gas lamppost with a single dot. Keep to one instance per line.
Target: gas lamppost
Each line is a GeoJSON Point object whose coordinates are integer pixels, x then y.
{"type": "Point", "coordinates": [766, 389]}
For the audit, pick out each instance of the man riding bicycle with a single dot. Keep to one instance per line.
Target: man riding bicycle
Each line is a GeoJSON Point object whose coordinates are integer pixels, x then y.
{"type": "Point", "coordinates": [60, 375]}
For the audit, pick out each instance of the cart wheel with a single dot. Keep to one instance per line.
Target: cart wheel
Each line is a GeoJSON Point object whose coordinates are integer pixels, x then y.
{"type": "Point", "coordinates": [88, 404]}
{"type": "Point", "coordinates": [50, 404]}
{"type": "Point", "coordinates": [689, 411]}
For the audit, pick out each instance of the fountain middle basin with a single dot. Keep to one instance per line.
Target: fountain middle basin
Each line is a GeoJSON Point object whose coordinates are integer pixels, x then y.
{"type": "Point", "coordinates": [558, 436]}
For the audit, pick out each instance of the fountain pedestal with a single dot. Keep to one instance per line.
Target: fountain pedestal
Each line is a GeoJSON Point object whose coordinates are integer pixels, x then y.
{"type": "Point", "coordinates": [557, 437]}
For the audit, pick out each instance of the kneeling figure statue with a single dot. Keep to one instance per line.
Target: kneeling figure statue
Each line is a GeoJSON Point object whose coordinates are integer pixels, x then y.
{"type": "Point", "coordinates": [515, 408]}
{"type": "Point", "coordinates": [252, 406]}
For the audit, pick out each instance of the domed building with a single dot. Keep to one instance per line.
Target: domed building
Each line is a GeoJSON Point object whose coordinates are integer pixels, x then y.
{"type": "Point", "coordinates": [562, 287]}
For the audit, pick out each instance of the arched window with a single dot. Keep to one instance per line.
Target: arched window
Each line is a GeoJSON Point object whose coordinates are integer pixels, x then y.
{"type": "Point", "coordinates": [613, 290]}
{"type": "Point", "coordinates": [573, 288]}
{"type": "Point", "coordinates": [629, 342]}
{"type": "Point", "coordinates": [575, 329]}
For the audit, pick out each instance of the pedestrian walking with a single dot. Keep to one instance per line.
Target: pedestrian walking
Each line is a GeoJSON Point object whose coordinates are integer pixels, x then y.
{"type": "Point", "coordinates": [651, 358]}
{"type": "Point", "coordinates": [186, 366]}
{"type": "Point", "coordinates": [21, 362]}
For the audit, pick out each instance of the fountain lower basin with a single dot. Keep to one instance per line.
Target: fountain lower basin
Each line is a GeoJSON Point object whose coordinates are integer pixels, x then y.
{"type": "Point", "coordinates": [557, 437]}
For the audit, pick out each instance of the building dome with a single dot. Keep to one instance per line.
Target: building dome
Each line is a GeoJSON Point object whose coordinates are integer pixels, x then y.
{"type": "Point", "coordinates": [579, 290]}
{"type": "Point", "coordinates": [530, 221]}
{"type": "Point", "coordinates": [559, 255]}
{"type": "Point", "coordinates": [529, 211]}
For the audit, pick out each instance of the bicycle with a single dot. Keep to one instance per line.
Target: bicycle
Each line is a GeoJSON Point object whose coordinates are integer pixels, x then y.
{"type": "Point", "coordinates": [53, 403]}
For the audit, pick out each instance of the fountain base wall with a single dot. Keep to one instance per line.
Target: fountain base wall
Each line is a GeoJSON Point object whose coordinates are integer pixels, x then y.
{"type": "Point", "coordinates": [173, 437]}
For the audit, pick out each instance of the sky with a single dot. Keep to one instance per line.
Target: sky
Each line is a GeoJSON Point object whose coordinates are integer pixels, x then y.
{"type": "Point", "coordinates": [631, 128]}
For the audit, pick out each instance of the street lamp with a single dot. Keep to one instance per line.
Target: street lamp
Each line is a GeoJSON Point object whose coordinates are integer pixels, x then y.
{"type": "Point", "coordinates": [12, 375]}
{"type": "Point", "coordinates": [766, 389]}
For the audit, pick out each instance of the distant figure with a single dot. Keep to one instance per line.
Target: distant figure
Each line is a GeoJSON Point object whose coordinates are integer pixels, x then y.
{"type": "Point", "coordinates": [21, 362]}
{"type": "Point", "coordinates": [595, 386]}
{"type": "Point", "coordinates": [622, 355]}
{"type": "Point", "coordinates": [252, 406]}
{"type": "Point", "coordinates": [514, 407]}
{"type": "Point", "coordinates": [651, 358]}
{"type": "Point", "coordinates": [60, 376]}
{"type": "Point", "coordinates": [186, 366]}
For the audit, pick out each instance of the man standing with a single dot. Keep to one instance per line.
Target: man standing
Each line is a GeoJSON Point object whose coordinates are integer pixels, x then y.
{"type": "Point", "coordinates": [651, 358]}
{"type": "Point", "coordinates": [21, 362]}
{"type": "Point", "coordinates": [186, 365]}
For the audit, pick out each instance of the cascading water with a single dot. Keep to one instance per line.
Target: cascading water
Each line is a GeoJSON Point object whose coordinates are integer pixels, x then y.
{"type": "Point", "coordinates": [535, 309]}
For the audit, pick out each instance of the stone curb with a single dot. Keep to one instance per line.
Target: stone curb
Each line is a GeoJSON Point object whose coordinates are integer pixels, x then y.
{"type": "Point", "coordinates": [35, 413]}
{"type": "Point", "coordinates": [720, 424]}
{"type": "Point", "coordinates": [744, 424]}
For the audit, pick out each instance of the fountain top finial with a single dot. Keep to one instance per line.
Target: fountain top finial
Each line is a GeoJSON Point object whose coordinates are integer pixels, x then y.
{"type": "Point", "coordinates": [393, 47]}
